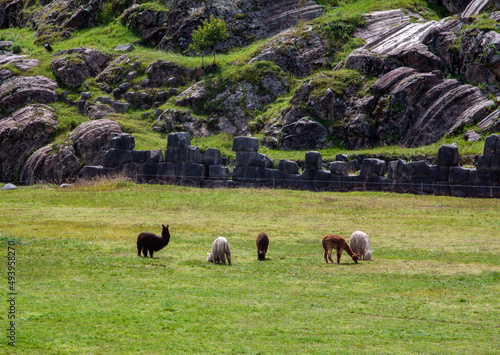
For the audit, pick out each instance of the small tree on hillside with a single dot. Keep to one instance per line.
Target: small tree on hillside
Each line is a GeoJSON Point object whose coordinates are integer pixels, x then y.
{"type": "Point", "coordinates": [208, 35]}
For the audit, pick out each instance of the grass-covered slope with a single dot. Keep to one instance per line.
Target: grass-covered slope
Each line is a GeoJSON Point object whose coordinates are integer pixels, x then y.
{"type": "Point", "coordinates": [338, 22]}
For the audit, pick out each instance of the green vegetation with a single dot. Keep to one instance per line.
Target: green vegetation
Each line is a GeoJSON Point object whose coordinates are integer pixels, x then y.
{"type": "Point", "coordinates": [432, 287]}
{"type": "Point", "coordinates": [338, 23]}
{"type": "Point", "coordinates": [208, 35]}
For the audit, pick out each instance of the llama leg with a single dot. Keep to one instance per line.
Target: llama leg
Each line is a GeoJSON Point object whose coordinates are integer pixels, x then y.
{"type": "Point", "coordinates": [150, 253]}
{"type": "Point", "coordinates": [330, 255]}
{"type": "Point", "coordinates": [325, 255]}
{"type": "Point", "coordinates": [228, 258]}
{"type": "Point", "coordinates": [339, 254]}
{"type": "Point", "coordinates": [145, 252]}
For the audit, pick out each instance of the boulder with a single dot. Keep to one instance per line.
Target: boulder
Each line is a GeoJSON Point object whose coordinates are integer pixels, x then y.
{"type": "Point", "coordinates": [173, 121]}
{"type": "Point", "coordinates": [18, 91]}
{"type": "Point", "coordinates": [54, 163]}
{"type": "Point", "coordinates": [92, 139]}
{"type": "Point", "coordinates": [303, 134]}
{"type": "Point", "coordinates": [9, 186]}
{"type": "Point", "coordinates": [21, 133]}
{"type": "Point", "coordinates": [77, 65]}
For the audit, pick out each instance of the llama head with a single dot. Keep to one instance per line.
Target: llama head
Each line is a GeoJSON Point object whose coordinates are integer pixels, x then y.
{"type": "Point", "coordinates": [355, 257]}
{"type": "Point", "coordinates": [261, 254]}
{"type": "Point", "coordinates": [368, 254]}
{"type": "Point", "coordinates": [164, 228]}
{"type": "Point", "coordinates": [210, 258]}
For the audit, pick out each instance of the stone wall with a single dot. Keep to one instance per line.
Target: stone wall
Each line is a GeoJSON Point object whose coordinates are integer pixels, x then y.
{"type": "Point", "coordinates": [184, 164]}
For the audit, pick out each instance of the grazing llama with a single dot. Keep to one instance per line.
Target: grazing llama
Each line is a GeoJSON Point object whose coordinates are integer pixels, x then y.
{"type": "Point", "coordinates": [262, 245]}
{"type": "Point", "coordinates": [333, 241]}
{"type": "Point", "coordinates": [220, 251]}
{"type": "Point", "coordinates": [360, 244]}
{"type": "Point", "coordinates": [151, 242]}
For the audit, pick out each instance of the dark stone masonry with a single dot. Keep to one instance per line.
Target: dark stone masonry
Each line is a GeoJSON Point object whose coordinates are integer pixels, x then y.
{"type": "Point", "coordinates": [184, 164]}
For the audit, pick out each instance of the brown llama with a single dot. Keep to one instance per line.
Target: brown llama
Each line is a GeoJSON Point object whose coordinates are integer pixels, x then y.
{"type": "Point", "coordinates": [333, 241]}
{"type": "Point", "coordinates": [262, 245]}
{"type": "Point", "coordinates": [151, 242]}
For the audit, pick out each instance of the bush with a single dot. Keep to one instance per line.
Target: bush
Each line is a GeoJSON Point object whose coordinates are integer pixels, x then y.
{"type": "Point", "coordinates": [16, 49]}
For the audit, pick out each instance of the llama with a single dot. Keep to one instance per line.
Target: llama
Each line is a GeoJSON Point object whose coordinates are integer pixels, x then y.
{"type": "Point", "coordinates": [360, 244]}
{"type": "Point", "coordinates": [333, 241]}
{"type": "Point", "coordinates": [262, 244]}
{"type": "Point", "coordinates": [151, 242]}
{"type": "Point", "coordinates": [220, 251]}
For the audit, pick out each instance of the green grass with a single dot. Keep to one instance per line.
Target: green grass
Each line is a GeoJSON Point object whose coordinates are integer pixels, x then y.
{"type": "Point", "coordinates": [432, 286]}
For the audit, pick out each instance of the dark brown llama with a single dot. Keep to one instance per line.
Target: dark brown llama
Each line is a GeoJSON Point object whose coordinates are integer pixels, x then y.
{"type": "Point", "coordinates": [151, 242]}
{"type": "Point", "coordinates": [333, 241]}
{"type": "Point", "coordinates": [262, 244]}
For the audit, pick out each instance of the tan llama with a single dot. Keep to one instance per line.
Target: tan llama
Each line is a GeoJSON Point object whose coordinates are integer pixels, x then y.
{"type": "Point", "coordinates": [333, 241]}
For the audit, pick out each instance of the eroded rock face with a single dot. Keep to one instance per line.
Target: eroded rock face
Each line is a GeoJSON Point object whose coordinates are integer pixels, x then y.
{"type": "Point", "coordinates": [303, 134]}
{"type": "Point", "coordinates": [151, 24]}
{"type": "Point", "coordinates": [20, 134]}
{"type": "Point", "coordinates": [178, 121]}
{"type": "Point", "coordinates": [18, 91]}
{"type": "Point", "coordinates": [83, 64]}
{"type": "Point", "coordinates": [245, 21]}
{"type": "Point", "coordinates": [91, 139]}
{"type": "Point", "coordinates": [54, 163]}
{"type": "Point", "coordinates": [234, 105]}
{"type": "Point", "coordinates": [419, 108]}
{"type": "Point", "coordinates": [296, 52]}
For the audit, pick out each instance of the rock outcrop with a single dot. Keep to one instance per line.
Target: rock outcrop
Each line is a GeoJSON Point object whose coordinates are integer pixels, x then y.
{"type": "Point", "coordinates": [91, 139]}
{"type": "Point", "coordinates": [18, 91]}
{"type": "Point", "coordinates": [76, 65]}
{"type": "Point", "coordinates": [20, 134]}
{"type": "Point", "coordinates": [246, 21]}
{"type": "Point", "coordinates": [54, 163]}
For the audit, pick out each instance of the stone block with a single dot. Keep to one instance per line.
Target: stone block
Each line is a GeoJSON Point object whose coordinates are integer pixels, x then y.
{"type": "Point", "coordinates": [212, 157]}
{"type": "Point", "coordinates": [371, 167]}
{"type": "Point", "coordinates": [313, 160]}
{"type": "Point", "coordinates": [422, 184]}
{"type": "Point", "coordinates": [190, 154]}
{"type": "Point", "coordinates": [156, 156]}
{"type": "Point", "coordinates": [166, 170]}
{"type": "Point", "coordinates": [395, 170]}
{"type": "Point", "coordinates": [442, 189]}
{"type": "Point", "coordinates": [484, 162]}
{"type": "Point", "coordinates": [288, 166]}
{"type": "Point", "coordinates": [416, 168]}
{"type": "Point", "coordinates": [495, 161]}
{"type": "Point", "coordinates": [122, 141]}
{"type": "Point", "coordinates": [322, 178]}
{"type": "Point", "coordinates": [218, 172]}
{"type": "Point", "coordinates": [245, 144]}
{"type": "Point", "coordinates": [458, 175]}
{"type": "Point", "coordinates": [448, 156]}
{"type": "Point", "coordinates": [178, 140]}
{"type": "Point", "coordinates": [140, 156]}
{"type": "Point", "coordinates": [339, 168]}
{"type": "Point", "coordinates": [492, 144]}
{"type": "Point", "coordinates": [439, 173]}
{"type": "Point", "coordinates": [259, 160]}
{"type": "Point", "coordinates": [350, 182]}
{"type": "Point", "coordinates": [342, 157]}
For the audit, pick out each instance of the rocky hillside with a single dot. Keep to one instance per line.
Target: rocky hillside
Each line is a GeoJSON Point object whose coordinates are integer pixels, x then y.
{"type": "Point", "coordinates": [301, 75]}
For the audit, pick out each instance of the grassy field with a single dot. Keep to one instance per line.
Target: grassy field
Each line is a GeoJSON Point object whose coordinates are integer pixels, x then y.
{"type": "Point", "coordinates": [432, 286]}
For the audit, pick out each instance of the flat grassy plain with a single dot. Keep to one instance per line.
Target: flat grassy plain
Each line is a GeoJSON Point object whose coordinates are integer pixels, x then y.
{"type": "Point", "coordinates": [432, 287]}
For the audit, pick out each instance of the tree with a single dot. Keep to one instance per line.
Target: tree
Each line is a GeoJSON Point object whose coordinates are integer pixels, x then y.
{"type": "Point", "coordinates": [208, 35]}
